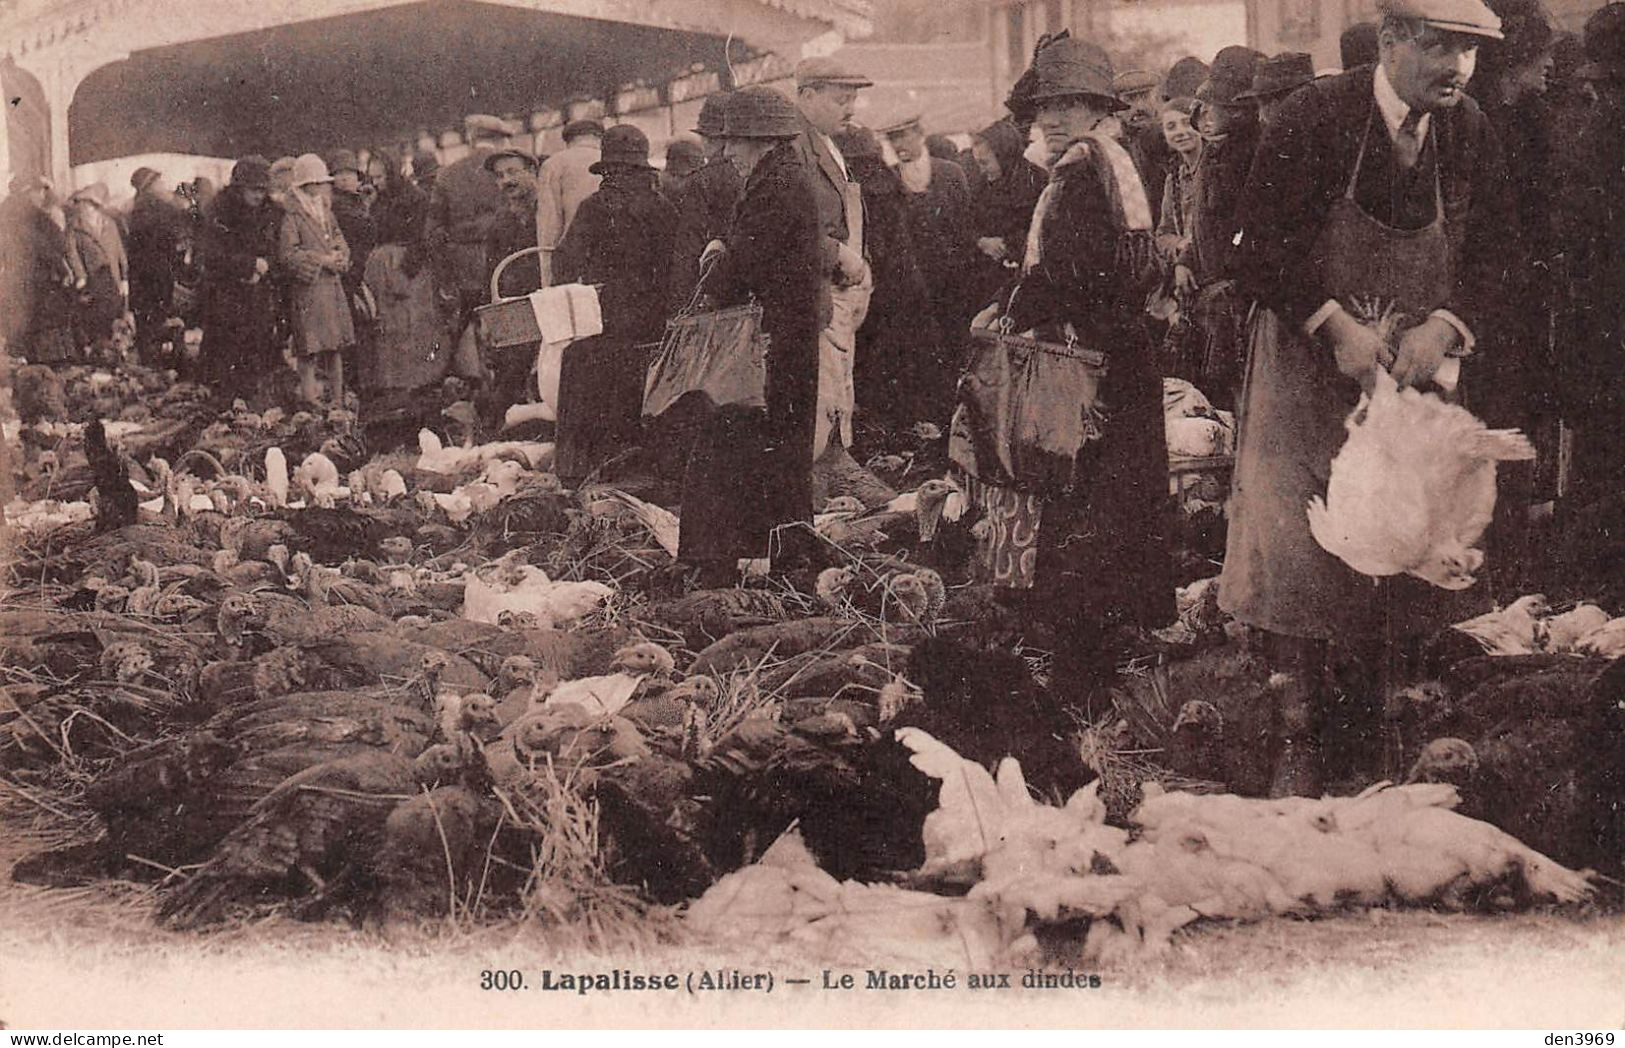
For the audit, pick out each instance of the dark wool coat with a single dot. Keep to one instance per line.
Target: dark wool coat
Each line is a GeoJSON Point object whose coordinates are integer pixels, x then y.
{"type": "Point", "coordinates": [705, 207]}
{"type": "Point", "coordinates": [831, 192]}
{"type": "Point", "coordinates": [462, 207]}
{"type": "Point", "coordinates": [513, 230]}
{"type": "Point", "coordinates": [1592, 368]}
{"type": "Point", "coordinates": [239, 313]}
{"type": "Point", "coordinates": [944, 245]}
{"type": "Point", "coordinates": [360, 231]}
{"type": "Point", "coordinates": [1221, 176]}
{"type": "Point", "coordinates": [752, 469]}
{"type": "Point", "coordinates": [158, 228]}
{"type": "Point", "coordinates": [1103, 549]}
{"type": "Point", "coordinates": [619, 239]}
{"type": "Point", "coordinates": [899, 334]}
{"type": "Point", "coordinates": [1303, 164]}
{"type": "Point", "coordinates": [1004, 206]}
{"type": "Point", "coordinates": [36, 310]}
{"type": "Point", "coordinates": [1143, 138]}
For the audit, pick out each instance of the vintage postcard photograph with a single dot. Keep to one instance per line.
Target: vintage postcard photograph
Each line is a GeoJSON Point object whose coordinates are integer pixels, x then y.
{"type": "Point", "coordinates": [957, 514]}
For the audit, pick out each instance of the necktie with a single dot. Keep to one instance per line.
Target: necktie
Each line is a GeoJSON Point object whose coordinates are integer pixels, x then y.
{"type": "Point", "coordinates": [1407, 143]}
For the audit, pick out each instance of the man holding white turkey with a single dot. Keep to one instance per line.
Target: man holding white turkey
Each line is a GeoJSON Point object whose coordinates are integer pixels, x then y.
{"type": "Point", "coordinates": [1373, 237]}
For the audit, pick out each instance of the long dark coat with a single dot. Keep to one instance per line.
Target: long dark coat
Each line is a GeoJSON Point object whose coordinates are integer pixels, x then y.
{"type": "Point", "coordinates": [360, 231]}
{"type": "Point", "coordinates": [158, 228]}
{"type": "Point", "coordinates": [1103, 549]}
{"type": "Point", "coordinates": [1591, 373]}
{"type": "Point", "coordinates": [621, 240]}
{"type": "Point", "coordinates": [239, 312]}
{"type": "Point", "coordinates": [899, 332]}
{"type": "Point", "coordinates": [752, 469]}
{"type": "Point", "coordinates": [36, 317]}
{"type": "Point", "coordinates": [1221, 176]}
{"type": "Point", "coordinates": [705, 207]}
{"type": "Point", "coordinates": [1004, 206]}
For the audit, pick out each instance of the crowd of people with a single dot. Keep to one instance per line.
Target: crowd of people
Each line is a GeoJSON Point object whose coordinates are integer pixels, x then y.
{"type": "Point", "coordinates": [1446, 205]}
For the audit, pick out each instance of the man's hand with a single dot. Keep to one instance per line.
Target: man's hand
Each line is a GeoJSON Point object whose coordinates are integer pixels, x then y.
{"type": "Point", "coordinates": [1359, 349]}
{"type": "Point", "coordinates": [993, 247]}
{"type": "Point", "coordinates": [1184, 279]}
{"type": "Point", "coordinates": [261, 267]}
{"type": "Point", "coordinates": [850, 268]}
{"type": "Point", "coordinates": [1422, 349]}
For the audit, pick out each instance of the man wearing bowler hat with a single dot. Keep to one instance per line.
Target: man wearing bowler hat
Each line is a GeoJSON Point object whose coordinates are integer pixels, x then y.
{"type": "Point", "coordinates": [1374, 192]}
{"type": "Point", "coordinates": [826, 92]}
{"type": "Point", "coordinates": [462, 207]}
{"type": "Point", "coordinates": [565, 180]}
{"type": "Point", "coordinates": [1275, 79]}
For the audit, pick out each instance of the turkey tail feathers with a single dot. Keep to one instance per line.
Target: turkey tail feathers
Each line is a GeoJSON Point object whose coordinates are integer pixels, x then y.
{"type": "Point", "coordinates": [1502, 445]}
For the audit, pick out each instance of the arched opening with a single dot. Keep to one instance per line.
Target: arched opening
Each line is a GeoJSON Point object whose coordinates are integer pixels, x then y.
{"type": "Point", "coordinates": [28, 121]}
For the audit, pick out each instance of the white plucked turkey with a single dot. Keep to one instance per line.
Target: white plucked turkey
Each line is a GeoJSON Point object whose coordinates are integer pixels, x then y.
{"type": "Point", "coordinates": [1413, 487]}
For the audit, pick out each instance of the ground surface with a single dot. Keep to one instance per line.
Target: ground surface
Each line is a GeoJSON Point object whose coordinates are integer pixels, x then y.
{"type": "Point", "coordinates": [91, 960]}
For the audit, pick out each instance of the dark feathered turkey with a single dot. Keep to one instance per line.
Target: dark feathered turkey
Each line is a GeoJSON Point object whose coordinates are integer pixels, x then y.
{"type": "Point", "coordinates": [1541, 739]}
{"type": "Point", "coordinates": [986, 706]}
{"type": "Point", "coordinates": [860, 803]}
{"type": "Point", "coordinates": [308, 830]}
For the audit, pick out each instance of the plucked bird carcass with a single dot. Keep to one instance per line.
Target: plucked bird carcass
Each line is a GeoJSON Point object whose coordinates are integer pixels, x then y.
{"type": "Point", "coordinates": [510, 584]}
{"type": "Point", "coordinates": [1413, 487]}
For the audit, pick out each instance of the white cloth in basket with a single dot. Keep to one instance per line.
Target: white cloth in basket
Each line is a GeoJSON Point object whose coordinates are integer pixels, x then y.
{"type": "Point", "coordinates": [567, 311]}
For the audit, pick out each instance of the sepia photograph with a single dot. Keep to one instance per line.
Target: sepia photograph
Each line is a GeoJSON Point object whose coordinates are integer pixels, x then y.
{"type": "Point", "coordinates": [864, 514]}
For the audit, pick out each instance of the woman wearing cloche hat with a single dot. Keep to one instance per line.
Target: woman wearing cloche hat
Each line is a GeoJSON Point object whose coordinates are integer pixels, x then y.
{"type": "Point", "coordinates": [1079, 529]}
{"type": "Point", "coordinates": [751, 468]}
{"type": "Point", "coordinates": [312, 250]}
{"type": "Point", "coordinates": [620, 239]}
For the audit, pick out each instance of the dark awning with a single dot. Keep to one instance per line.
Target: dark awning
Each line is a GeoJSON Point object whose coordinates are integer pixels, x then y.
{"type": "Point", "coordinates": [372, 78]}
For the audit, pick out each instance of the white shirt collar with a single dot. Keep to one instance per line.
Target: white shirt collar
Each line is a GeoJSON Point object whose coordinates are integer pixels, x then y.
{"type": "Point", "coordinates": [1392, 107]}
{"type": "Point", "coordinates": [834, 152]}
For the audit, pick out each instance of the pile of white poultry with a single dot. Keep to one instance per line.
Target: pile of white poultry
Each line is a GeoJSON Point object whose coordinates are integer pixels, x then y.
{"type": "Point", "coordinates": [1529, 626]}
{"type": "Point", "coordinates": [1188, 857]}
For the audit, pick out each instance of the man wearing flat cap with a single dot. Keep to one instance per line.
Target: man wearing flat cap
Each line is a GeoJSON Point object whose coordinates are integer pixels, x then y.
{"type": "Point", "coordinates": [940, 228]}
{"type": "Point", "coordinates": [462, 207]}
{"type": "Point", "coordinates": [565, 180]}
{"type": "Point", "coordinates": [826, 92]}
{"type": "Point", "coordinates": [1375, 194]}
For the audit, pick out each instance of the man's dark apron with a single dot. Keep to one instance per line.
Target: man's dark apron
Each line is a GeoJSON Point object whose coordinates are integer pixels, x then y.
{"type": "Point", "coordinates": [1295, 401]}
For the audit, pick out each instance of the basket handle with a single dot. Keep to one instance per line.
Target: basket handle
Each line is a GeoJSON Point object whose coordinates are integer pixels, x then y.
{"type": "Point", "coordinates": [496, 274]}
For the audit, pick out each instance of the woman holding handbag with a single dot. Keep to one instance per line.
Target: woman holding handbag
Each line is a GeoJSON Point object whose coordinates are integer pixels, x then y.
{"type": "Point", "coordinates": [1074, 479]}
{"type": "Point", "coordinates": [313, 252]}
{"type": "Point", "coordinates": [751, 467]}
